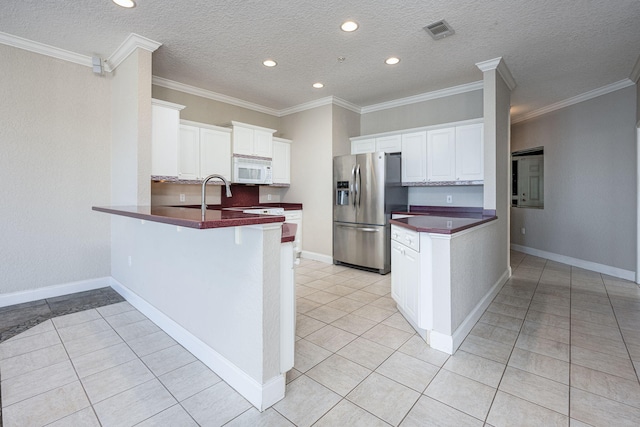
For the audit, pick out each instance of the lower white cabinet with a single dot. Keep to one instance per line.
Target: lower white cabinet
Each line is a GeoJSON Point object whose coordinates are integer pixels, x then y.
{"type": "Point", "coordinates": [203, 150]}
{"type": "Point", "coordinates": [281, 161]}
{"type": "Point", "coordinates": [295, 217]}
{"type": "Point", "coordinates": [407, 285]}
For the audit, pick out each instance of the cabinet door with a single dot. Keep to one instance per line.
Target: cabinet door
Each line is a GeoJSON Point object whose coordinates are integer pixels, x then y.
{"type": "Point", "coordinates": [165, 131]}
{"type": "Point", "coordinates": [295, 217]}
{"type": "Point", "coordinates": [441, 155]}
{"type": "Point", "coordinates": [470, 152]}
{"type": "Point", "coordinates": [397, 268]}
{"type": "Point", "coordinates": [243, 141]}
{"type": "Point", "coordinates": [189, 152]}
{"type": "Point", "coordinates": [414, 157]}
{"type": "Point", "coordinates": [281, 163]}
{"type": "Point", "coordinates": [412, 283]}
{"type": "Point", "coordinates": [363, 146]}
{"type": "Point", "coordinates": [389, 144]}
{"type": "Point", "coordinates": [215, 153]}
{"type": "Point", "coordinates": [262, 143]}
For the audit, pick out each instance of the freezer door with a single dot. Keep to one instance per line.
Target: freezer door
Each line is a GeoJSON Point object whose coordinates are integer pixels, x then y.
{"type": "Point", "coordinates": [369, 188]}
{"type": "Point", "coordinates": [344, 207]}
{"type": "Point", "coordinates": [362, 245]}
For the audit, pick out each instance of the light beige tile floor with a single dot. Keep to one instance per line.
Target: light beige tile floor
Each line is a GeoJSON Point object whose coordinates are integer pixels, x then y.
{"type": "Point", "coordinates": [557, 346]}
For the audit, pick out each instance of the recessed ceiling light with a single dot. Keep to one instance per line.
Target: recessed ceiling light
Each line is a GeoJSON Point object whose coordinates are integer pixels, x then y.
{"type": "Point", "coordinates": [349, 26]}
{"type": "Point", "coordinates": [318, 85]}
{"type": "Point", "coordinates": [269, 63]}
{"type": "Point", "coordinates": [392, 61]}
{"type": "Point", "coordinates": [125, 3]}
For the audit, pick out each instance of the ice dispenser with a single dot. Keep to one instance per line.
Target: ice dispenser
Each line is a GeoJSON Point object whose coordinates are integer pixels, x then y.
{"type": "Point", "coordinates": [342, 193]}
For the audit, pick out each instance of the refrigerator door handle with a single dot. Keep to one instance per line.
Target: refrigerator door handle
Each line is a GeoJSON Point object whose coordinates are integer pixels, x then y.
{"type": "Point", "coordinates": [365, 229]}
{"type": "Point", "coordinates": [359, 186]}
{"type": "Point", "coordinates": [353, 190]}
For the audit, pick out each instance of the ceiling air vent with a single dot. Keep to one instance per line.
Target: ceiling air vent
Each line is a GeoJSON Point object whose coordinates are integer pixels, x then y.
{"type": "Point", "coordinates": [439, 30]}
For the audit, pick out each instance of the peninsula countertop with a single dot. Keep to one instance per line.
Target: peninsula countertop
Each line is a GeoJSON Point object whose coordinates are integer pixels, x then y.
{"type": "Point", "coordinates": [190, 217]}
{"type": "Point", "coordinates": [438, 220]}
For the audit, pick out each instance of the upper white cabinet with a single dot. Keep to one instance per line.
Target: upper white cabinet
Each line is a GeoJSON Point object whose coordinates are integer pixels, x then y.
{"type": "Point", "coordinates": [456, 154]}
{"type": "Point", "coordinates": [388, 144]}
{"type": "Point", "coordinates": [203, 150]}
{"type": "Point", "coordinates": [363, 146]}
{"type": "Point", "coordinates": [414, 157]}
{"type": "Point", "coordinates": [281, 161]}
{"type": "Point", "coordinates": [441, 155]}
{"type": "Point", "coordinates": [250, 140]}
{"type": "Point", "coordinates": [165, 130]}
{"type": "Point", "coordinates": [470, 152]}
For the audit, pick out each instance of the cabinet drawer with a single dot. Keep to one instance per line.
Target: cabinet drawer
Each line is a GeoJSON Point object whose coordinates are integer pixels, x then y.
{"type": "Point", "coordinates": [405, 236]}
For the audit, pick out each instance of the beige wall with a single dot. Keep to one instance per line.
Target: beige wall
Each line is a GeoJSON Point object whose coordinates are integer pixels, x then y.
{"type": "Point", "coordinates": [589, 178]}
{"type": "Point", "coordinates": [55, 134]}
{"type": "Point", "coordinates": [464, 106]}
{"type": "Point", "coordinates": [205, 110]}
{"type": "Point", "coordinates": [312, 174]}
{"type": "Point", "coordinates": [346, 124]}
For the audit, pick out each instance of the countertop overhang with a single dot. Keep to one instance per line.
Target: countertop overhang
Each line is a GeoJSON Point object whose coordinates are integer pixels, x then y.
{"type": "Point", "coordinates": [443, 220]}
{"type": "Point", "coordinates": [190, 217]}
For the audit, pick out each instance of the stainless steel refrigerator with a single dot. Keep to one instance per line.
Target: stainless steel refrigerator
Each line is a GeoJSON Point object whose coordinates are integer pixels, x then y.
{"type": "Point", "coordinates": [367, 188]}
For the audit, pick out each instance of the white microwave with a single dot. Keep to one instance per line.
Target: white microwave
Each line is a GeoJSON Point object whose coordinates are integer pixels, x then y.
{"type": "Point", "coordinates": [251, 171]}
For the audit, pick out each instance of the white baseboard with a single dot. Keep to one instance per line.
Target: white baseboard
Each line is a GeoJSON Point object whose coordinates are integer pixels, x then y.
{"type": "Point", "coordinates": [317, 257]}
{"type": "Point", "coordinates": [259, 395]}
{"type": "Point", "coordinates": [587, 265]}
{"type": "Point", "coordinates": [53, 291]}
{"type": "Point", "coordinates": [450, 343]}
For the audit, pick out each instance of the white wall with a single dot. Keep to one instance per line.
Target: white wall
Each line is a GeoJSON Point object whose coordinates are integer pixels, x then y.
{"type": "Point", "coordinates": [54, 165]}
{"type": "Point", "coordinates": [590, 181]}
{"type": "Point", "coordinates": [131, 131]}
{"type": "Point", "coordinates": [312, 175]}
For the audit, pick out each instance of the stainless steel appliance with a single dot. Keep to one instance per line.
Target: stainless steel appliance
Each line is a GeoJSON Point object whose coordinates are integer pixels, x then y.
{"type": "Point", "coordinates": [367, 188]}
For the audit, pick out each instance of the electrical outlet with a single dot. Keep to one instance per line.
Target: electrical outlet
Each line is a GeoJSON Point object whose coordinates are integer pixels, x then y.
{"type": "Point", "coordinates": [182, 198]}
{"type": "Point", "coordinates": [449, 198]}
{"type": "Point", "coordinates": [130, 261]}
{"type": "Point", "coordinates": [522, 230]}
{"type": "Point", "coordinates": [268, 196]}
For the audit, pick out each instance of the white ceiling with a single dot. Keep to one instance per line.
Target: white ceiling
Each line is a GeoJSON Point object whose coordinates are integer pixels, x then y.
{"type": "Point", "coordinates": [555, 49]}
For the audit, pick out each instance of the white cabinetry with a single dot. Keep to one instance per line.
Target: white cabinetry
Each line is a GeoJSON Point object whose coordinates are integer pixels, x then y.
{"type": "Point", "coordinates": [388, 144]}
{"type": "Point", "coordinates": [250, 140]}
{"type": "Point", "coordinates": [455, 154]}
{"type": "Point", "coordinates": [414, 157]}
{"type": "Point", "coordinates": [281, 161]}
{"type": "Point", "coordinates": [295, 217]}
{"type": "Point", "coordinates": [441, 154]}
{"type": "Point", "coordinates": [165, 125]}
{"type": "Point", "coordinates": [407, 289]}
{"type": "Point", "coordinates": [470, 152]}
{"type": "Point", "coordinates": [203, 150]}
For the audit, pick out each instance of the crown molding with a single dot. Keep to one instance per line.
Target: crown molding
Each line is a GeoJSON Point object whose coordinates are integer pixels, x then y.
{"type": "Point", "coordinates": [329, 100]}
{"type": "Point", "coordinates": [347, 105]}
{"type": "Point", "coordinates": [574, 100]}
{"type": "Point", "coordinates": [45, 49]}
{"type": "Point", "coordinates": [499, 65]}
{"type": "Point", "coordinates": [170, 84]}
{"type": "Point", "coordinates": [455, 90]}
{"type": "Point", "coordinates": [635, 72]}
{"type": "Point", "coordinates": [128, 46]}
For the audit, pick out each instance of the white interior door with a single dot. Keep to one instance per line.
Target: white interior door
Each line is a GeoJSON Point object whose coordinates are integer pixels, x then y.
{"type": "Point", "coordinates": [531, 182]}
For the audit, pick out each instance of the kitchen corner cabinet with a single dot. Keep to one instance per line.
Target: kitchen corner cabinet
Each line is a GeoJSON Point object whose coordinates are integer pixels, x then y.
{"type": "Point", "coordinates": [414, 157]}
{"type": "Point", "coordinates": [281, 161]}
{"type": "Point", "coordinates": [455, 154]}
{"type": "Point", "coordinates": [388, 144]}
{"type": "Point", "coordinates": [165, 134]}
{"type": "Point", "coordinates": [250, 140]}
{"type": "Point", "coordinates": [203, 150]}
{"type": "Point", "coordinates": [295, 217]}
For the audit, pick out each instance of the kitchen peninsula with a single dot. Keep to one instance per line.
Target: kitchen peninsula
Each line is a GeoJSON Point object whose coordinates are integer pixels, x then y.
{"type": "Point", "coordinates": [220, 284]}
{"type": "Point", "coordinates": [441, 278]}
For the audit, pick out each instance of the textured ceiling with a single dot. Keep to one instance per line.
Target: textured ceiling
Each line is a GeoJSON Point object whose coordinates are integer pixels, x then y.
{"type": "Point", "coordinates": [555, 49]}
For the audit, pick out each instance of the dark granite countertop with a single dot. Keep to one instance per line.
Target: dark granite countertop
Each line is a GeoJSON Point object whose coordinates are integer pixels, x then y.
{"type": "Point", "coordinates": [443, 220]}
{"type": "Point", "coordinates": [191, 216]}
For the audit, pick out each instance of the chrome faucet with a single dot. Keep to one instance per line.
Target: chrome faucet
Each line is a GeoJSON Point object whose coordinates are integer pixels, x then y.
{"type": "Point", "coordinates": [204, 194]}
